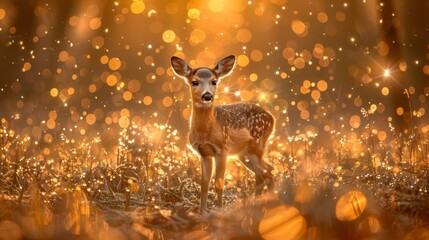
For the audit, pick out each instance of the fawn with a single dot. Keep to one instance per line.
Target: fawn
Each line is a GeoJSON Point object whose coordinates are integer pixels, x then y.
{"type": "Point", "coordinates": [240, 129]}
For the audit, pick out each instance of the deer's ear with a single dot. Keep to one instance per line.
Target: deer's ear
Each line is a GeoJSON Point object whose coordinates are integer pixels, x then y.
{"type": "Point", "coordinates": [180, 67]}
{"type": "Point", "coordinates": [225, 66]}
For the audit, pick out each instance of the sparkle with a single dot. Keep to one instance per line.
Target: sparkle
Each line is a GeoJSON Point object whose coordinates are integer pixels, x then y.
{"type": "Point", "coordinates": [386, 73]}
{"type": "Point", "coordinates": [93, 114]}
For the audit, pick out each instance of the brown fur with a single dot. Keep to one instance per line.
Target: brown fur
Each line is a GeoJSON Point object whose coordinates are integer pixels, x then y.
{"type": "Point", "coordinates": [240, 129]}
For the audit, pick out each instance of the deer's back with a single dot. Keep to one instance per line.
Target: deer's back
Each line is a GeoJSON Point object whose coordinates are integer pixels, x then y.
{"type": "Point", "coordinates": [248, 116]}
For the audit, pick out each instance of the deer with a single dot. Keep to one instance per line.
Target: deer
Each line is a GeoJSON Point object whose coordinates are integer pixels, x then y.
{"type": "Point", "coordinates": [218, 131]}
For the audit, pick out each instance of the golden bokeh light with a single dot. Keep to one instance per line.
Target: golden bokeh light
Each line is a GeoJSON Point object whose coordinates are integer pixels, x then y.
{"type": "Point", "coordinates": [382, 135]}
{"type": "Point", "coordinates": [169, 36]}
{"type": "Point", "coordinates": [63, 56]}
{"type": "Point", "coordinates": [268, 84]}
{"type": "Point", "coordinates": [54, 92]}
{"type": "Point", "coordinates": [244, 35]}
{"type": "Point", "coordinates": [134, 85]}
{"type": "Point", "coordinates": [242, 60]}
{"type": "Point", "coordinates": [357, 102]}
{"type": "Point", "coordinates": [41, 30]}
{"type": "Point", "coordinates": [193, 13]}
{"type": "Point", "coordinates": [90, 119]}
{"type": "Point", "coordinates": [26, 67]}
{"type": "Point", "coordinates": [167, 101]}
{"type": "Point", "coordinates": [186, 113]}
{"type": "Point", "coordinates": [111, 80]}
{"type": "Point", "coordinates": [256, 55]}
{"type": "Point", "coordinates": [299, 63]}
{"type": "Point", "coordinates": [306, 83]}
{"type": "Point", "coordinates": [50, 123]}
{"type": "Point", "coordinates": [70, 91]}
{"type": "Point", "coordinates": [137, 6]}
{"type": "Point", "coordinates": [147, 100]}
{"type": "Point", "coordinates": [197, 36]}
{"type": "Point", "coordinates": [350, 206]}
{"type": "Point", "coordinates": [315, 94]}
{"type": "Point", "coordinates": [403, 66]}
{"type": "Point", "coordinates": [322, 17]}
{"type": "Point", "coordinates": [97, 42]}
{"type": "Point", "coordinates": [340, 16]}
{"type": "Point", "coordinates": [383, 48]}
{"type": "Point", "coordinates": [2, 13]}
{"type": "Point", "coordinates": [304, 90]}
{"type": "Point", "coordinates": [282, 222]}
{"type": "Point", "coordinates": [298, 27]}
{"type": "Point", "coordinates": [92, 88]}
{"type": "Point", "coordinates": [253, 77]}
{"type": "Point", "coordinates": [426, 69]}
{"type": "Point", "coordinates": [104, 59]}
{"type": "Point", "coordinates": [246, 95]}
{"type": "Point", "coordinates": [124, 122]}
{"type": "Point", "coordinates": [355, 121]}
{"type": "Point", "coordinates": [322, 85]}
{"type": "Point", "coordinates": [385, 91]}
{"type": "Point", "coordinates": [127, 96]}
{"type": "Point", "coordinates": [304, 115]}
{"type": "Point", "coordinates": [53, 115]}
{"type": "Point", "coordinates": [114, 63]}
{"type": "Point", "coordinates": [288, 53]}
{"type": "Point", "coordinates": [370, 224]}
{"type": "Point", "coordinates": [88, 85]}
{"type": "Point", "coordinates": [95, 23]}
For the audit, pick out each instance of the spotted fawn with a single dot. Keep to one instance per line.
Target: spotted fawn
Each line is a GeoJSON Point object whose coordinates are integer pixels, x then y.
{"type": "Point", "coordinates": [216, 132]}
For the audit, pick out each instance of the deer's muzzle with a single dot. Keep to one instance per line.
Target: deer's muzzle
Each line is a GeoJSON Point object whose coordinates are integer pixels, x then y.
{"type": "Point", "coordinates": [207, 97]}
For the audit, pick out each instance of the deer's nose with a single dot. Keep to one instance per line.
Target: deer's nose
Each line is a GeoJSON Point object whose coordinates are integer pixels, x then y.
{"type": "Point", "coordinates": [207, 97]}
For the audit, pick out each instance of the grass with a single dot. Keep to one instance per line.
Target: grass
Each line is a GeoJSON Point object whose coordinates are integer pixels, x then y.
{"type": "Point", "coordinates": [144, 186]}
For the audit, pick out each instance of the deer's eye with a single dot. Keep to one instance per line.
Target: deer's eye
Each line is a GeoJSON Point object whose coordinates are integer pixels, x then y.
{"type": "Point", "coordinates": [195, 83]}
{"type": "Point", "coordinates": [214, 83]}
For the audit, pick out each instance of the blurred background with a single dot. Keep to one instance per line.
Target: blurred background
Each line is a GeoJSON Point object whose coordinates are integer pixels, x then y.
{"type": "Point", "coordinates": [92, 68]}
{"type": "Point", "coordinates": [94, 122]}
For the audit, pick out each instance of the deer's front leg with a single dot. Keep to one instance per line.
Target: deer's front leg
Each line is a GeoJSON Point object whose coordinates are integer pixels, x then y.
{"type": "Point", "coordinates": [219, 177]}
{"type": "Point", "coordinates": [206, 167]}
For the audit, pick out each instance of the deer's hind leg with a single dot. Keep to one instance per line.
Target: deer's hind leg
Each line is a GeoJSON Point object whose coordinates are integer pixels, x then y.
{"type": "Point", "coordinates": [252, 163]}
{"type": "Point", "coordinates": [261, 169]}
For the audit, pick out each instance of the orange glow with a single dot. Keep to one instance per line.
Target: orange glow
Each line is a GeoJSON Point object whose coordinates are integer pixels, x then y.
{"type": "Point", "coordinates": [350, 206]}
{"type": "Point", "coordinates": [282, 222]}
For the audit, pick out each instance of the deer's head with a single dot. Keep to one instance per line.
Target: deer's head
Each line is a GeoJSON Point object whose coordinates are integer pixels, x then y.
{"type": "Point", "coordinates": [203, 80]}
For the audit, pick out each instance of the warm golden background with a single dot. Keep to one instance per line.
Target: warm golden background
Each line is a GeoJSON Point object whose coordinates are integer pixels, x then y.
{"type": "Point", "coordinates": [88, 67]}
{"type": "Point", "coordinates": [93, 122]}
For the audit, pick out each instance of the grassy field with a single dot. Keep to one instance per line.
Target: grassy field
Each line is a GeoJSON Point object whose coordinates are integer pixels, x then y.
{"type": "Point", "coordinates": [148, 188]}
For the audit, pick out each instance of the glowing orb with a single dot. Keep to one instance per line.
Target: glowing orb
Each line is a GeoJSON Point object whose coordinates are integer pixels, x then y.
{"type": "Point", "coordinates": [2, 13]}
{"type": "Point", "coordinates": [282, 222]}
{"type": "Point", "coordinates": [350, 206]}
{"type": "Point", "coordinates": [114, 64]}
{"type": "Point", "coordinates": [298, 27]}
{"type": "Point", "coordinates": [168, 36]}
{"type": "Point", "coordinates": [193, 13]}
{"type": "Point", "coordinates": [54, 92]}
{"type": "Point", "coordinates": [137, 7]}
{"type": "Point", "coordinates": [242, 60]}
{"type": "Point", "coordinates": [111, 80]}
{"type": "Point", "coordinates": [386, 73]}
